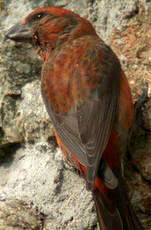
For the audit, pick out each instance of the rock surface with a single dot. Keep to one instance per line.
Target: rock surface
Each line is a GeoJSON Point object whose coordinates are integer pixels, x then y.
{"type": "Point", "coordinates": [38, 190]}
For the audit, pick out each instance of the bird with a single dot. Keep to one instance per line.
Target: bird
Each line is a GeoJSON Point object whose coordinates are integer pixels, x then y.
{"type": "Point", "coordinates": [89, 101]}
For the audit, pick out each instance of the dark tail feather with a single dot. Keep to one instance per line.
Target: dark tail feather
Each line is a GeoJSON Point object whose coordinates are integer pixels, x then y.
{"type": "Point", "coordinates": [116, 213]}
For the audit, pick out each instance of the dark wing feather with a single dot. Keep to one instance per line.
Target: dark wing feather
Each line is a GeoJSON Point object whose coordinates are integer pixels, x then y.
{"type": "Point", "coordinates": [86, 129]}
{"type": "Point", "coordinates": [99, 122]}
{"type": "Point", "coordinates": [68, 135]}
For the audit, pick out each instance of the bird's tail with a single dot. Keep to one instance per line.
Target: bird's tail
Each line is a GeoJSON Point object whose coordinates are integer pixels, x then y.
{"type": "Point", "coordinates": [114, 209]}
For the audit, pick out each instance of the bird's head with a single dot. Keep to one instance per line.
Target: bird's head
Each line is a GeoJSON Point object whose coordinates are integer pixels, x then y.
{"type": "Point", "coordinates": [50, 26]}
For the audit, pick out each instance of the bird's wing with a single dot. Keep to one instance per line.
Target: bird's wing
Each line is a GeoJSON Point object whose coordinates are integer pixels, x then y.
{"type": "Point", "coordinates": [86, 128]}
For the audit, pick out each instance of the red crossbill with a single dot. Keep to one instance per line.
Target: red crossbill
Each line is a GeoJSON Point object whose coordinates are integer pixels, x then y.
{"type": "Point", "coordinates": [88, 98]}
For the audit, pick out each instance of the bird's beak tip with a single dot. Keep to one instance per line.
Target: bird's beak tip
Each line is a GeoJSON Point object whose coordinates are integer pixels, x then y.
{"type": "Point", "coordinates": [19, 32]}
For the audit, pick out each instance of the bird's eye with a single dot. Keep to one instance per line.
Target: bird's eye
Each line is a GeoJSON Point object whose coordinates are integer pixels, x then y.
{"type": "Point", "coordinates": [38, 16]}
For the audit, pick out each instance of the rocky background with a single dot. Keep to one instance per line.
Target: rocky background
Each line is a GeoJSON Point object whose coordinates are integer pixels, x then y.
{"type": "Point", "coordinates": [38, 191]}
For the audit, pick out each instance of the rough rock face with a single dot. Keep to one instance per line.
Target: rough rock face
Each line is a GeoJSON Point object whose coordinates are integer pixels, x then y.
{"type": "Point", "coordinates": [38, 190]}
